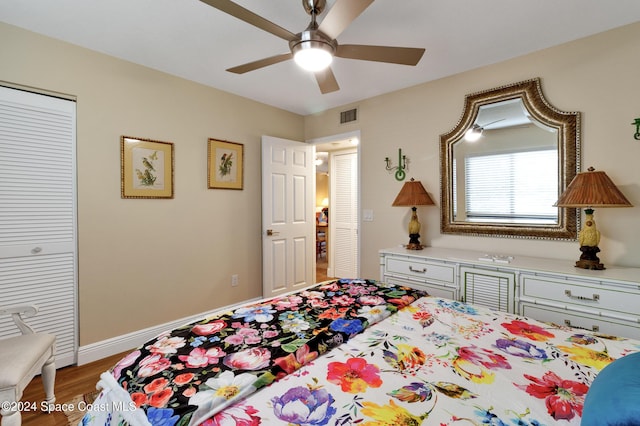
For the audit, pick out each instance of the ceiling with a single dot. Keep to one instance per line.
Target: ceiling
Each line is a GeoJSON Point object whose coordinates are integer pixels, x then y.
{"type": "Point", "coordinates": [189, 39]}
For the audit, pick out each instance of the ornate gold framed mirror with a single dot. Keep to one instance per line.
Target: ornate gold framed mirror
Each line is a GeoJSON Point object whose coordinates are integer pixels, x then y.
{"type": "Point", "coordinates": [505, 182]}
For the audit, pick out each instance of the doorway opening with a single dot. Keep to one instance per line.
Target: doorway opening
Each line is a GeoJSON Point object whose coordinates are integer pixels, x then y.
{"type": "Point", "coordinates": [337, 199]}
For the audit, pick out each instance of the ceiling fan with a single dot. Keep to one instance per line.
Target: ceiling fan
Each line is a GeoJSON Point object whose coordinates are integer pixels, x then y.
{"type": "Point", "coordinates": [319, 40]}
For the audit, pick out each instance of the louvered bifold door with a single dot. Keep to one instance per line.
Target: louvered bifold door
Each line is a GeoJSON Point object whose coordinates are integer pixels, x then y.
{"type": "Point", "coordinates": [343, 214]}
{"type": "Point", "coordinates": [37, 214]}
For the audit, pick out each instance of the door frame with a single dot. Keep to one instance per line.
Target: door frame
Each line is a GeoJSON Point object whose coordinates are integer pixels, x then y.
{"type": "Point", "coordinates": [335, 138]}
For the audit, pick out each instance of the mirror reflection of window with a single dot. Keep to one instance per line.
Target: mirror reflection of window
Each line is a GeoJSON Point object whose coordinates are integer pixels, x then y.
{"type": "Point", "coordinates": [517, 187]}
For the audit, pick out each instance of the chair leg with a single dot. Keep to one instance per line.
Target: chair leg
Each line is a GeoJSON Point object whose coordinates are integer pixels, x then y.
{"type": "Point", "coordinates": [49, 380]}
{"type": "Point", "coordinates": [10, 418]}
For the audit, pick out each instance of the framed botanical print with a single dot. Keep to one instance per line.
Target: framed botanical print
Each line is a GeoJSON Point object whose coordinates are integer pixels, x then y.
{"type": "Point", "coordinates": [225, 164]}
{"type": "Point", "coordinates": [146, 168]}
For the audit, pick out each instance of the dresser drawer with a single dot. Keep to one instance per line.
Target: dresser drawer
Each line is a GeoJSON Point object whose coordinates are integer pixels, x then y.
{"type": "Point", "coordinates": [568, 293]}
{"type": "Point", "coordinates": [581, 320]}
{"type": "Point", "coordinates": [423, 270]}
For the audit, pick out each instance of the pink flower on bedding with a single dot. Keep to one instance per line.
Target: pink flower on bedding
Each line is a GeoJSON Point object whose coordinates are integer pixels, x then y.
{"type": "Point", "coordinates": [343, 300]}
{"type": "Point", "coordinates": [371, 300]}
{"type": "Point", "coordinates": [153, 364]}
{"type": "Point", "coordinates": [319, 303]}
{"type": "Point", "coordinates": [166, 345]}
{"type": "Point", "coordinates": [332, 286]}
{"type": "Point", "coordinates": [199, 357]}
{"type": "Point", "coordinates": [239, 414]}
{"type": "Point", "coordinates": [125, 362]}
{"type": "Point", "coordinates": [209, 328]}
{"type": "Point", "coordinates": [249, 336]}
{"type": "Point", "coordinates": [291, 302]}
{"type": "Point", "coordinates": [250, 359]}
{"type": "Point", "coordinates": [563, 398]}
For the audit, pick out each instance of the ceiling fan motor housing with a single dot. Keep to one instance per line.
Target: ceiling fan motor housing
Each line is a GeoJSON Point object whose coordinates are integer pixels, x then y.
{"type": "Point", "coordinates": [313, 39]}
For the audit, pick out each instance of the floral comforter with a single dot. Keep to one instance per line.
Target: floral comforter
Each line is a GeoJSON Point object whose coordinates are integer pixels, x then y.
{"type": "Point", "coordinates": [435, 361]}
{"type": "Point", "coordinates": [185, 376]}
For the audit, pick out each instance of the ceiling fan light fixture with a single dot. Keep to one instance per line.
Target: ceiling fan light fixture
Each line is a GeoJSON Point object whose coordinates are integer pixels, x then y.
{"type": "Point", "coordinates": [313, 55]}
{"type": "Point", "coordinates": [313, 51]}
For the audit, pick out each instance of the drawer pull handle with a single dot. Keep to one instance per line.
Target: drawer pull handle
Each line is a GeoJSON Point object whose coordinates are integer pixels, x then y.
{"type": "Point", "coordinates": [595, 297]}
{"type": "Point", "coordinates": [593, 328]}
{"type": "Point", "coordinates": [420, 271]}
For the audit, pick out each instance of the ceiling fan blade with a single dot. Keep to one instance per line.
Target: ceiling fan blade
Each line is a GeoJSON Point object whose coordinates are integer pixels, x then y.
{"type": "Point", "coordinates": [251, 18]}
{"type": "Point", "coordinates": [261, 63]}
{"type": "Point", "coordinates": [341, 15]}
{"type": "Point", "coordinates": [394, 55]}
{"type": "Point", "coordinates": [327, 81]}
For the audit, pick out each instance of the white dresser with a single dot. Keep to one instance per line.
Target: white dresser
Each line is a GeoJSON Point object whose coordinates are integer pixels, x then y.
{"type": "Point", "coordinates": [606, 301]}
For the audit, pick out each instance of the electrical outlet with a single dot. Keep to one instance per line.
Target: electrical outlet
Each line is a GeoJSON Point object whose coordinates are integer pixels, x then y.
{"type": "Point", "coordinates": [234, 280]}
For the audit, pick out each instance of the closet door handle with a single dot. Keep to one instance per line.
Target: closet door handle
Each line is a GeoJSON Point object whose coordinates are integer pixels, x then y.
{"type": "Point", "coordinates": [594, 298]}
{"type": "Point", "coordinates": [594, 328]}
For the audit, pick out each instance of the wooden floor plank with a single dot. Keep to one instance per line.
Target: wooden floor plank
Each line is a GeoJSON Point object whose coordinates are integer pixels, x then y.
{"type": "Point", "coordinates": [70, 382]}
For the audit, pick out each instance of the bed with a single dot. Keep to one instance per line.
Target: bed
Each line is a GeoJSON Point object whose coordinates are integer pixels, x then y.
{"type": "Point", "coordinates": [356, 351]}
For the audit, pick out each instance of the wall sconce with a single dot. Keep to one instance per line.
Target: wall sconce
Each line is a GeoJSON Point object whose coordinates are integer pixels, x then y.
{"type": "Point", "coordinates": [636, 123]}
{"type": "Point", "coordinates": [400, 168]}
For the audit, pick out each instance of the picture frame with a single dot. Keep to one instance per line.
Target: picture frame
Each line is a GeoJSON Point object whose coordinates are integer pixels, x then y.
{"type": "Point", "coordinates": [146, 168]}
{"type": "Point", "coordinates": [225, 164]}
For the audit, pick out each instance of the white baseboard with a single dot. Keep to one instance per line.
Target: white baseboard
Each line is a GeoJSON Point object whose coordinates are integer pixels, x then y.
{"type": "Point", "coordinates": [128, 342]}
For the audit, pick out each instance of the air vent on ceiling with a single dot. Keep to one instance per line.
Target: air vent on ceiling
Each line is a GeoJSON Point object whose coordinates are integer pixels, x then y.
{"type": "Point", "coordinates": [349, 116]}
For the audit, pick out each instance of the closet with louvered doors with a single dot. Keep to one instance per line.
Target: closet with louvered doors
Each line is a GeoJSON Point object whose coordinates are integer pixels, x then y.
{"type": "Point", "coordinates": [38, 238]}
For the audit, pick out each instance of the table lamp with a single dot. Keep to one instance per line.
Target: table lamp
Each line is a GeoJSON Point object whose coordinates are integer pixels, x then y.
{"type": "Point", "coordinates": [411, 195]}
{"type": "Point", "coordinates": [587, 190]}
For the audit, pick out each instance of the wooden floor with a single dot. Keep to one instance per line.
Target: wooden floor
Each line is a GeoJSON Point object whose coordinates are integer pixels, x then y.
{"type": "Point", "coordinates": [321, 269]}
{"type": "Point", "coordinates": [70, 382]}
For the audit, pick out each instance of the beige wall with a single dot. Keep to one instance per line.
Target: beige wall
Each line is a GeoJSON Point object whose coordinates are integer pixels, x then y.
{"type": "Point", "coordinates": [146, 262]}
{"type": "Point", "coordinates": [597, 76]}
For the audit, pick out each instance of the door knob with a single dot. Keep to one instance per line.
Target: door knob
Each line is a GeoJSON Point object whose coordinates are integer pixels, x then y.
{"type": "Point", "coordinates": [271, 232]}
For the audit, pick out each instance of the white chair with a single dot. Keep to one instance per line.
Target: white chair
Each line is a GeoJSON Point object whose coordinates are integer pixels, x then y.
{"type": "Point", "coordinates": [21, 359]}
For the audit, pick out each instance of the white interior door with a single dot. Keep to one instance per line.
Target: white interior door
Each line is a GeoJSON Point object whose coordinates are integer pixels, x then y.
{"type": "Point", "coordinates": [288, 215]}
{"type": "Point", "coordinates": [343, 215]}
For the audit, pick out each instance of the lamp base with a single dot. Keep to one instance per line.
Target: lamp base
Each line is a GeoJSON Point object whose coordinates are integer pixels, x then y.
{"type": "Point", "coordinates": [589, 264]}
{"type": "Point", "coordinates": [414, 242]}
{"type": "Point", "coordinates": [589, 258]}
{"type": "Point", "coordinates": [414, 246]}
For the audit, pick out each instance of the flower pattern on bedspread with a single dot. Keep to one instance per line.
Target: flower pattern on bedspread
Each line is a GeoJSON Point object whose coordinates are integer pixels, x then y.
{"type": "Point", "coordinates": [482, 367]}
{"type": "Point", "coordinates": [185, 376]}
{"type": "Point", "coordinates": [434, 361]}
